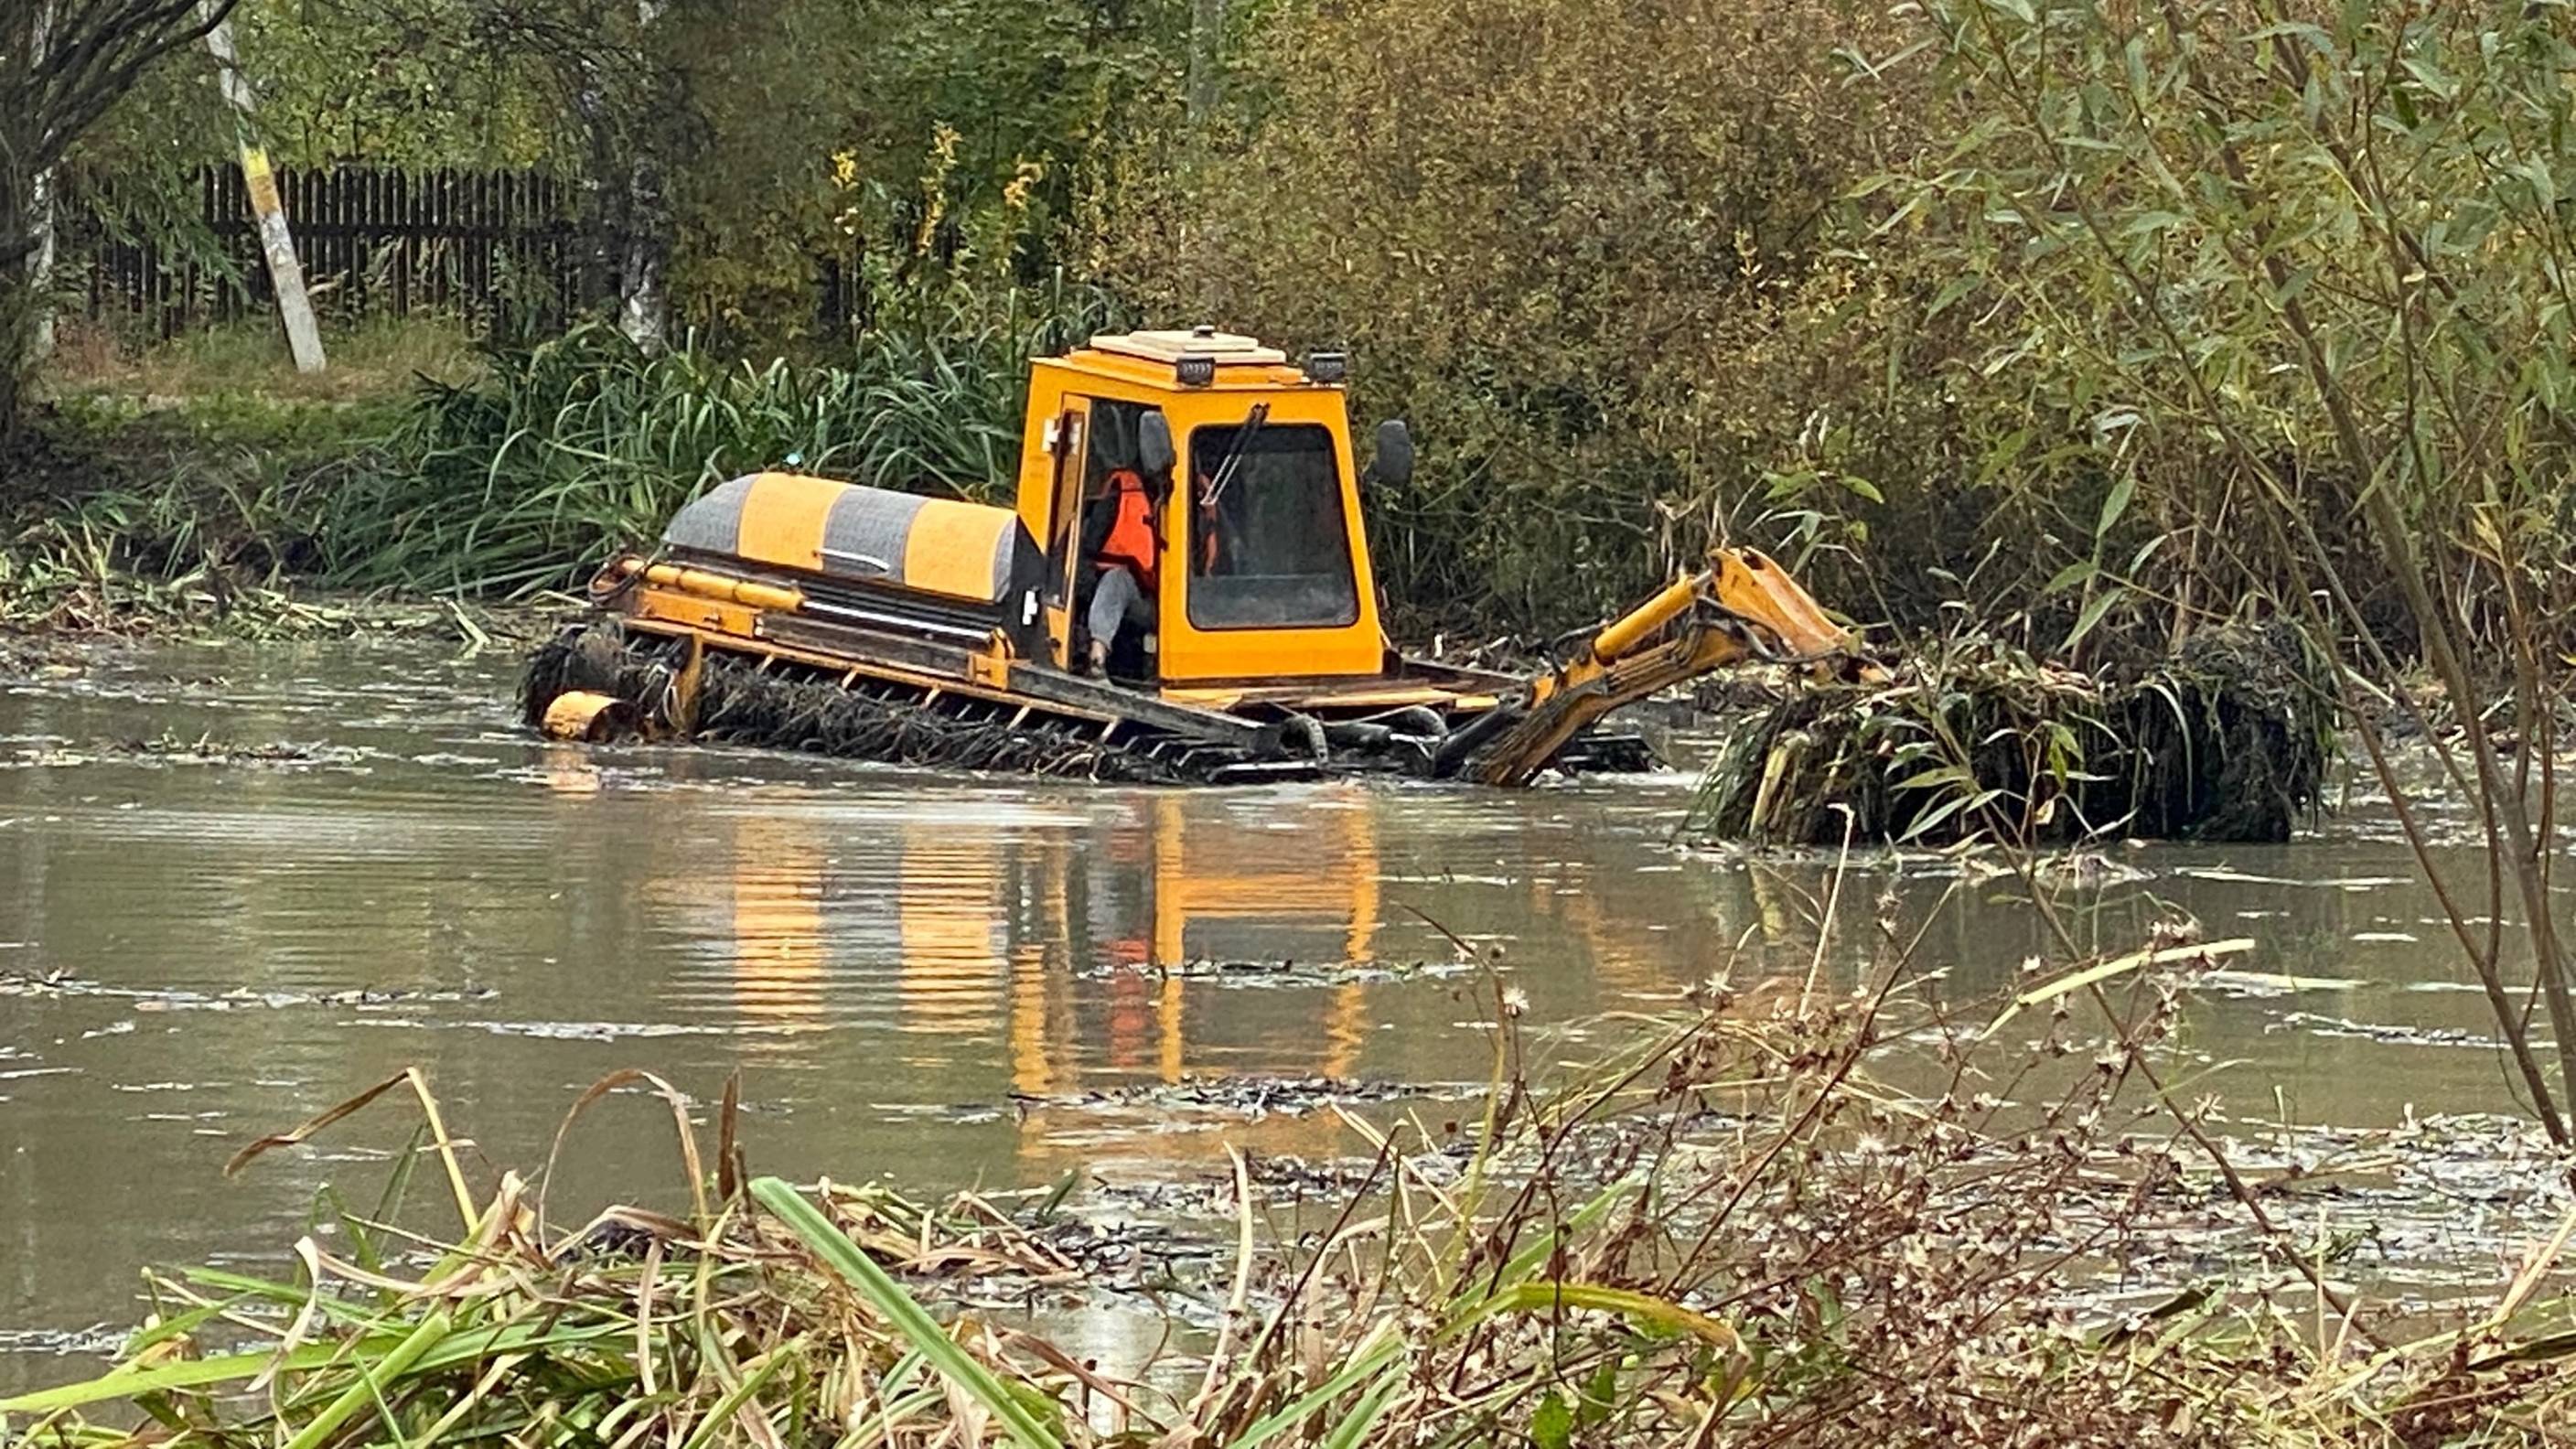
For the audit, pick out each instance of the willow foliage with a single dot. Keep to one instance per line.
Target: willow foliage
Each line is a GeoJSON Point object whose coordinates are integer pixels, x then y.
{"type": "Point", "coordinates": [1583, 247]}
{"type": "Point", "coordinates": [2301, 270]}
{"type": "Point", "coordinates": [2296, 271]}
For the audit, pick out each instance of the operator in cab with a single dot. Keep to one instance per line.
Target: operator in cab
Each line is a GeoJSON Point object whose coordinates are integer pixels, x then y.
{"type": "Point", "coordinates": [1124, 547]}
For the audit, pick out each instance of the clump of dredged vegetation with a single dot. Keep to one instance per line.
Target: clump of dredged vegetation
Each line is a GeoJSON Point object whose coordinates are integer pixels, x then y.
{"type": "Point", "coordinates": [1738, 1232]}
{"type": "Point", "coordinates": [2229, 740]}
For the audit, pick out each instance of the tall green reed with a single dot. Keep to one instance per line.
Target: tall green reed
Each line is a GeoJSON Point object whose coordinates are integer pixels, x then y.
{"type": "Point", "coordinates": [566, 450]}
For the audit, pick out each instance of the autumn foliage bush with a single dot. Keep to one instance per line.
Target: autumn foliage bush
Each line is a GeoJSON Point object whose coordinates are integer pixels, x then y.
{"type": "Point", "coordinates": [1587, 250]}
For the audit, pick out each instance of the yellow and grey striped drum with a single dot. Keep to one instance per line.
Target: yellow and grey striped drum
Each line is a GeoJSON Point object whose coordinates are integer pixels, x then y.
{"type": "Point", "coordinates": [959, 554]}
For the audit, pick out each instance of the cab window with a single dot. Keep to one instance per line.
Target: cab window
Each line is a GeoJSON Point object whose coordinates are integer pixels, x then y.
{"type": "Point", "coordinates": [1269, 547]}
{"type": "Point", "coordinates": [1114, 430]}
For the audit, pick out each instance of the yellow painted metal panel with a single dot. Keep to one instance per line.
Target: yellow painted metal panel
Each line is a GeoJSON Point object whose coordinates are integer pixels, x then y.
{"type": "Point", "coordinates": [782, 520]}
{"type": "Point", "coordinates": [1337, 696]}
{"type": "Point", "coordinates": [725, 588]}
{"type": "Point", "coordinates": [654, 612]}
{"type": "Point", "coordinates": [691, 611]}
{"type": "Point", "coordinates": [579, 714]}
{"type": "Point", "coordinates": [1625, 635]}
{"type": "Point", "coordinates": [1207, 698]}
{"type": "Point", "coordinates": [1190, 653]}
{"type": "Point", "coordinates": [950, 550]}
{"type": "Point", "coordinates": [1263, 653]}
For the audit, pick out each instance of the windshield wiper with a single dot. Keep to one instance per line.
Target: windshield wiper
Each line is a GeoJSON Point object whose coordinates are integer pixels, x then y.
{"type": "Point", "coordinates": [1232, 462]}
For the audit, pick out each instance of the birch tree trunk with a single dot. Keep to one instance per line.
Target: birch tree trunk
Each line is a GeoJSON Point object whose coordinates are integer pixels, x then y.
{"type": "Point", "coordinates": [40, 216]}
{"type": "Point", "coordinates": [644, 304]}
{"type": "Point", "coordinates": [40, 269]}
{"type": "Point", "coordinates": [276, 240]}
{"type": "Point", "coordinates": [644, 309]}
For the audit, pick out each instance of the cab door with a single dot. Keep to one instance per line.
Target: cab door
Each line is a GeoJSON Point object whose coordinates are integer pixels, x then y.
{"type": "Point", "coordinates": [1072, 450]}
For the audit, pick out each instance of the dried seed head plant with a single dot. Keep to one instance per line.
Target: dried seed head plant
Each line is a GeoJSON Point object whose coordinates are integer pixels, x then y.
{"type": "Point", "coordinates": [1811, 1215]}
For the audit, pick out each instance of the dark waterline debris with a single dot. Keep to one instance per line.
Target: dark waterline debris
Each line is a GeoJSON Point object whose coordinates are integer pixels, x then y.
{"type": "Point", "coordinates": [207, 749]}
{"type": "Point", "coordinates": [63, 984]}
{"type": "Point", "coordinates": [1250, 1097]}
{"type": "Point", "coordinates": [2314, 1024]}
{"type": "Point", "coordinates": [1278, 971]}
{"type": "Point", "coordinates": [177, 750]}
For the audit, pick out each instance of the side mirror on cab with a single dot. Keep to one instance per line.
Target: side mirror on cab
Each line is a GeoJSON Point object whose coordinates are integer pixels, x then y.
{"type": "Point", "coordinates": [1394, 460]}
{"type": "Point", "coordinates": [1154, 453]}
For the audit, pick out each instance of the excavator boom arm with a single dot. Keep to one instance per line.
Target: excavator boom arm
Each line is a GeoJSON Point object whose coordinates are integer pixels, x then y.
{"type": "Point", "coordinates": [1743, 607]}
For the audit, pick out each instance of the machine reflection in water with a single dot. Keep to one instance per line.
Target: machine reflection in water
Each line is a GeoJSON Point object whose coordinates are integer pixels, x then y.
{"type": "Point", "coordinates": [1086, 957]}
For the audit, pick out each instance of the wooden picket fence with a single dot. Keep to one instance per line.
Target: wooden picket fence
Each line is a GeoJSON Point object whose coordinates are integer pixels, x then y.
{"type": "Point", "coordinates": [488, 246]}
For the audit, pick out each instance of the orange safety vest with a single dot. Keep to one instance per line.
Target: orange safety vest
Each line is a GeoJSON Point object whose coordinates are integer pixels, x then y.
{"type": "Point", "coordinates": [1131, 532]}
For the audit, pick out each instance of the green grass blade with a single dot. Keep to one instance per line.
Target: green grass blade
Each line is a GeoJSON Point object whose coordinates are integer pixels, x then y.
{"type": "Point", "coordinates": [1354, 1428]}
{"type": "Point", "coordinates": [373, 1374]}
{"type": "Point", "coordinates": [1549, 1293]}
{"type": "Point", "coordinates": [887, 1296]}
{"type": "Point", "coordinates": [194, 1374]}
{"type": "Point", "coordinates": [1384, 1349]}
{"type": "Point", "coordinates": [741, 1394]}
{"type": "Point", "coordinates": [1539, 1249]}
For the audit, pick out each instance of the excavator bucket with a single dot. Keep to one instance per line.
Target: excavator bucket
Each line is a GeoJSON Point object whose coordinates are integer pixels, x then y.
{"type": "Point", "coordinates": [1746, 583]}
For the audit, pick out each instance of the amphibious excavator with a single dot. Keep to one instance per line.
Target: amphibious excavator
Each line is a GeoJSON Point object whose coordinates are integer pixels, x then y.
{"type": "Point", "coordinates": [796, 611]}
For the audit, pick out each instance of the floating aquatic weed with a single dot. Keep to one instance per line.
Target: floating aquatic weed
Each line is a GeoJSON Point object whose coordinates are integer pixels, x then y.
{"type": "Point", "coordinates": [60, 983]}
{"type": "Point", "coordinates": [1280, 971]}
{"type": "Point", "coordinates": [1247, 1097]}
{"type": "Point", "coordinates": [2392, 1033]}
{"type": "Point", "coordinates": [88, 1342]}
{"type": "Point", "coordinates": [2268, 984]}
{"type": "Point", "coordinates": [207, 749]}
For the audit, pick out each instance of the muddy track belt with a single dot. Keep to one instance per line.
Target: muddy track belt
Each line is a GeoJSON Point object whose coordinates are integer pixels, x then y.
{"type": "Point", "coordinates": [780, 704]}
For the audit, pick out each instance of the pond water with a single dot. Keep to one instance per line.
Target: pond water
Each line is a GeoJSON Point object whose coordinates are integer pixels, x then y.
{"type": "Point", "coordinates": [238, 884]}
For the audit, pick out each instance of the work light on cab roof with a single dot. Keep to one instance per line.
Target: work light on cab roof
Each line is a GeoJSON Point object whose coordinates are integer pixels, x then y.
{"type": "Point", "coordinates": [1209, 486]}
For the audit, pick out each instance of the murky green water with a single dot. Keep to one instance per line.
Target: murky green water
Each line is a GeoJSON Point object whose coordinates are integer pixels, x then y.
{"type": "Point", "coordinates": [944, 980]}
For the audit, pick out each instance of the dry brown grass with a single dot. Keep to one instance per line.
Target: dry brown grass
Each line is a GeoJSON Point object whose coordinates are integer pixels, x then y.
{"type": "Point", "coordinates": [374, 359]}
{"type": "Point", "coordinates": [1734, 1232]}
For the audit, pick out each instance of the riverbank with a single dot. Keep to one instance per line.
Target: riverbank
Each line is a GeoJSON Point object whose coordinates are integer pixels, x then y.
{"type": "Point", "coordinates": [495, 474]}
{"type": "Point", "coordinates": [1739, 1222]}
{"type": "Point", "coordinates": [174, 488]}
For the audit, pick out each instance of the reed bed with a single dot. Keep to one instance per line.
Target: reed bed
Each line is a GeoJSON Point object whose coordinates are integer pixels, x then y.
{"type": "Point", "coordinates": [2230, 740]}
{"type": "Point", "coordinates": [189, 558]}
{"type": "Point", "coordinates": [528, 475]}
{"type": "Point", "coordinates": [1733, 1232]}
{"type": "Point", "coordinates": [519, 478]}
{"type": "Point", "coordinates": [84, 547]}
